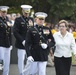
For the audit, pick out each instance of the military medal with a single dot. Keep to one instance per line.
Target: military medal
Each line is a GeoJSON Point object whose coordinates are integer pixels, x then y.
{"type": "Point", "coordinates": [40, 33]}
{"type": "Point", "coordinates": [46, 31]}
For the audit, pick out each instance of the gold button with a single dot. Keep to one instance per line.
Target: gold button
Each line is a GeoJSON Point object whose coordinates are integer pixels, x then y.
{"type": "Point", "coordinates": [40, 28]}
{"type": "Point", "coordinates": [40, 41]}
{"type": "Point", "coordinates": [40, 33]}
{"type": "Point", "coordinates": [34, 34]}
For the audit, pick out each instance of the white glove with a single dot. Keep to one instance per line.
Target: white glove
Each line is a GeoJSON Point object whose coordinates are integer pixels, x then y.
{"type": "Point", "coordinates": [10, 47]}
{"type": "Point", "coordinates": [30, 23]}
{"type": "Point", "coordinates": [23, 43]}
{"type": "Point", "coordinates": [30, 58]}
{"type": "Point", "coordinates": [44, 46]}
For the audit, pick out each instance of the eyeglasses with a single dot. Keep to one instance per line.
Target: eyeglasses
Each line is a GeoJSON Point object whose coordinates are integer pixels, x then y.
{"type": "Point", "coordinates": [41, 19]}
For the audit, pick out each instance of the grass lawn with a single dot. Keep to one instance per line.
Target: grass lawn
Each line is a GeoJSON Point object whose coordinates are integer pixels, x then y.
{"type": "Point", "coordinates": [73, 60]}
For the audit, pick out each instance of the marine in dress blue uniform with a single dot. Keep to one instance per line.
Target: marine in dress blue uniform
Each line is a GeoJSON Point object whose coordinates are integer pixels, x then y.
{"type": "Point", "coordinates": [5, 39]}
{"type": "Point", "coordinates": [38, 41]}
{"type": "Point", "coordinates": [21, 25]}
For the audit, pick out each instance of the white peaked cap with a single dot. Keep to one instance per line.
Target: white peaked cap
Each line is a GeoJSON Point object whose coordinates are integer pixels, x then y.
{"type": "Point", "coordinates": [41, 15]}
{"type": "Point", "coordinates": [26, 8]}
{"type": "Point", "coordinates": [4, 8]}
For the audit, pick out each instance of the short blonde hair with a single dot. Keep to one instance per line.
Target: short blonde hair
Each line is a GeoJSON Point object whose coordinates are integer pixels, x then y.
{"type": "Point", "coordinates": [64, 21]}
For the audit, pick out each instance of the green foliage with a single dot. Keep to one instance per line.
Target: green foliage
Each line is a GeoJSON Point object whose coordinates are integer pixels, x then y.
{"type": "Point", "coordinates": [55, 9]}
{"type": "Point", "coordinates": [63, 8]}
{"type": "Point", "coordinates": [73, 60]}
{"type": "Point", "coordinates": [14, 10]}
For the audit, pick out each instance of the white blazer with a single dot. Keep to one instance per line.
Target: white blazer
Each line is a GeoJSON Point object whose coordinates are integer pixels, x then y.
{"type": "Point", "coordinates": [64, 45]}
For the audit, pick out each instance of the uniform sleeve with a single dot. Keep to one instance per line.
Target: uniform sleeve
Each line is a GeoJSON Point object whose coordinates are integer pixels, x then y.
{"type": "Point", "coordinates": [52, 42]}
{"type": "Point", "coordinates": [16, 29]}
{"type": "Point", "coordinates": [10, 35]}
{"type": "Point", "coordinates": [28, 43]}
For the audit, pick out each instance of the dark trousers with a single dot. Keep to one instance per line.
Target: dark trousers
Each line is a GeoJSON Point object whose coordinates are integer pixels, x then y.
{"type": "Point", "coordinates": [62, 65]}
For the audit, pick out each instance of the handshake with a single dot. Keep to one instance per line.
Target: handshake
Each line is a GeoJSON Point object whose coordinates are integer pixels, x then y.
{"type": "Point", "coordinates": [44, 45]}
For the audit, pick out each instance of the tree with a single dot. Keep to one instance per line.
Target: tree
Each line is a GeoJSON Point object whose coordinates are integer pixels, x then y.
{"type": "Point", "coordinates": [63, 9]}
{"type": "Point", "coordinates": [56, 9]}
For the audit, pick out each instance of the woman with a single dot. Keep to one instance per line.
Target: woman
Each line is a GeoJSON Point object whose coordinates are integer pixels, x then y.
{"type": "Point", "coordinates": [64, 44]}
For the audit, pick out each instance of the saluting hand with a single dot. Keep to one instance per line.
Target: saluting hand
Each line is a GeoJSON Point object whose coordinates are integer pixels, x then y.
{"type": "Point", "coordinates": [30, 23]}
